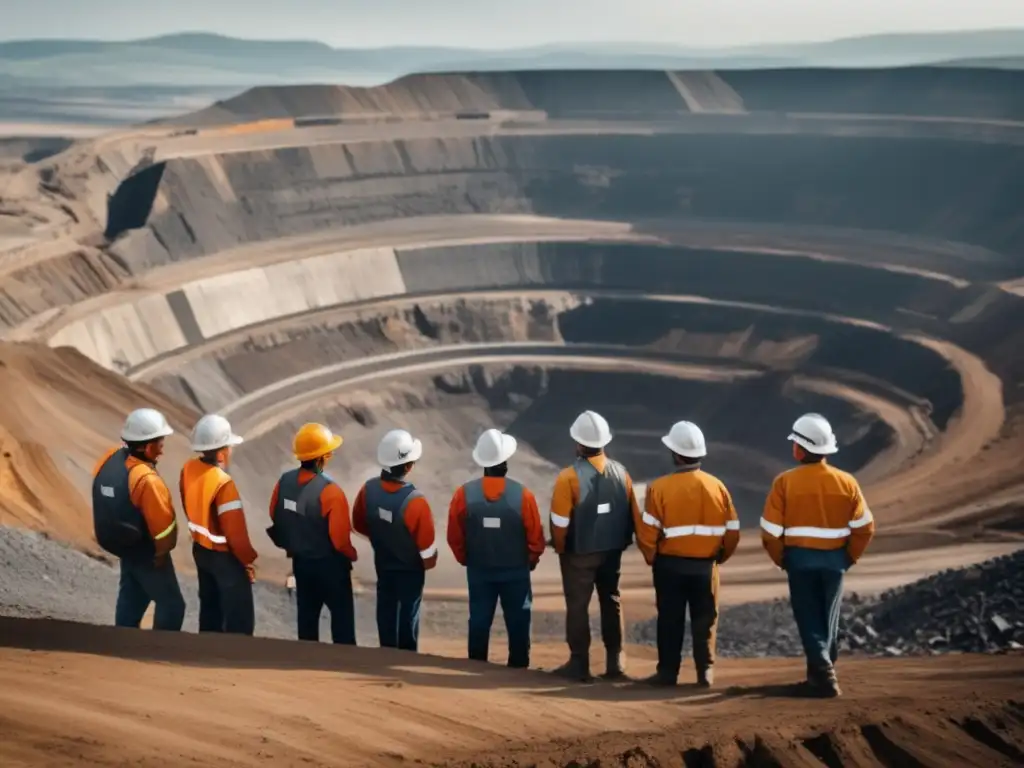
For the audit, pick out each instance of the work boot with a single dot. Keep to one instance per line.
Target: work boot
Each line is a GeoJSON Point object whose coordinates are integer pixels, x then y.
{"type": "Point", "coordinates": [822, 682]}
{"type": "Point", "coordinates": [830, 685]}
{"type": "Point", "coordinates": [706, 677]}
{"type": "Point", "coordinates": [614, 668]}
{"type": "Point", "coordinates": [576, 668]}
{"type": "Point", "coordinates": [659, 681]}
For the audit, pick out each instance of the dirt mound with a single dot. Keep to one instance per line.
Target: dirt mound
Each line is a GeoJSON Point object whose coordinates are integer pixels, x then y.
{"type": "Point", "coordinates": [109, 697]}
{"type": "Point", "coordinates": [60, 412]}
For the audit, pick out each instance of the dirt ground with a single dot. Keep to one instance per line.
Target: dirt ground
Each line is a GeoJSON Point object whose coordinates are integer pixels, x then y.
{"type": "Point", "coordinates": [77, 694]}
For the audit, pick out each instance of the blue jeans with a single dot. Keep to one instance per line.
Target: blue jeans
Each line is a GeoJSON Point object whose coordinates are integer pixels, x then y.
{"type": "Point", "coordinates": [817, 596]}
{"type": "Point", "coordinates": [512, 587]}
{"type": "Point", "coordinates": [399, 598]}
{"type": "Point", "coordinates": [145, 582]}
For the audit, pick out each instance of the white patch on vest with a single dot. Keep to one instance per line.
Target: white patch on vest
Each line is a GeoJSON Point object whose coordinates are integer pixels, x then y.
{"type": "Point", "coordinates": [385, 514]}
{"type": "Point", "coordinates": [604, 509]}
{"type": "Point", "coordinates": [291, 506]}
{"type": "Point", "coordinates": [492, 522]}
{"type": "Point", "coordinates": [106, 490]}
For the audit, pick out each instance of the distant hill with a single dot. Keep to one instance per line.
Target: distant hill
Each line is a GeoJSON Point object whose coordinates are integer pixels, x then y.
{"type": "Point", "coordinates": [200, 59]}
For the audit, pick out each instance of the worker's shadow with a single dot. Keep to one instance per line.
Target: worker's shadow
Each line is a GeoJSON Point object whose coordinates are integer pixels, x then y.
{"type": "Point", "coordinates": [796, 690]}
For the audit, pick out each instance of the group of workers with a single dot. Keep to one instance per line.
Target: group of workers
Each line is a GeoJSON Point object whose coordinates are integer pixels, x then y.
{"type": "Point", "coordinates": [815, 525]}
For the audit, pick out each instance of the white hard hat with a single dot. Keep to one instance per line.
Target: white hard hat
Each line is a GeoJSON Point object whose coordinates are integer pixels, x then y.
{"type": "Point", "coordinates": [493, 448]}
{"type": "Point", "coordinates": [813, 433]}
{"type": "Point", "coordinates": [398, 447]}
{"type": "Point", "coordinates": [686, 439]}
{"type": "Point", "coordinates": [212, 432]}
{"type": "Point", "coordinates": [591, 430]}
{"type": "Point", "coordinates": [145, 424]}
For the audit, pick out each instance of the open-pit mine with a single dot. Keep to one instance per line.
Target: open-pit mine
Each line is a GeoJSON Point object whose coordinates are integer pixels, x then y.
{"type": "Point", "coordinates": [451, 252]}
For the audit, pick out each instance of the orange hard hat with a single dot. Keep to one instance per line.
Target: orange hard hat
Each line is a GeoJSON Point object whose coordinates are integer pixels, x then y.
{"type": "Point", "coordinates": [313, 441]}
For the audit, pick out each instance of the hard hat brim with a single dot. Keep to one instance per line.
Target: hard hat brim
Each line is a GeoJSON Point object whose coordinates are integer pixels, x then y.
{"type": "Point", "coordinates": [167, 432]}
{"type": "Point", "coordinates": [689, 454]}
{"type": "Point", "coordinates": [508, 449]}
{"type": "Point", "coordinates": [231, 443]}
{"type": "Point", "coordinates": [817, 450]}
{"type": "Point", "coordinates": [333, 445]}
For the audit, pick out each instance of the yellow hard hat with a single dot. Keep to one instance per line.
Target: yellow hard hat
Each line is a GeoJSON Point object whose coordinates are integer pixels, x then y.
{"type": "Point", "coordinates": [313, 441]}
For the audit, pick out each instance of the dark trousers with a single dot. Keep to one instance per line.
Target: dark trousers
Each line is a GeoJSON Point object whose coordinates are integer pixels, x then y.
{"type": "Point", "coordinates": [225, 593]}
{"type": "Point", "coordinates": [817, 597]}
{"type": "Point", "coordinates": [512, 587]}
{"type": "Point", "coordinates": [581, 574]}
{"type": "Point", "coordinates": [325, 581]}
{"type": "Point", "coordinates": [676, 589]}
{"type": "Point", "coordinates": [145, 582]}
{"type": "Point", "coordinates": [399, 597]}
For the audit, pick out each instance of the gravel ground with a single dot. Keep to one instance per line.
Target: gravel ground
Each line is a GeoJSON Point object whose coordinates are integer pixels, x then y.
{"type": "Point", "coordinates": [41, 578]}
{"type": "Point", "coordinates": [978, 609]}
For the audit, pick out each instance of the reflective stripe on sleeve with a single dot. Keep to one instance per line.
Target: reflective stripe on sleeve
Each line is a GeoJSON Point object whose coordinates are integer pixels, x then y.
{"type": "Point", "coordinates": [558, 521]}
{"type": "Point", "coordinates": [166, 531]}
{"type": "Point", "coordinates": [229, 506]}
{"type": "Point", "coordinates": [863, 520]}
{"type": "Point", "coordinates": [429, 552]}
{"type": "Point", "coordinates": [732, 525]}
{"type": "Point", "coordinates": [204, 532]}
{"type": "Point", "coordinates": [772, 529]}
{"type": "Point", "coordinates": [648, 519]}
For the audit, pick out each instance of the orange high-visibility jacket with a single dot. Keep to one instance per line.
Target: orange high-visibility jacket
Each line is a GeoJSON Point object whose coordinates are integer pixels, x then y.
{"type": "Point", "coordinates": [816, 506]}
{"type": "Point", "coordinates": [213, 506]}
{"type": "Point", "coordinates": [566, 495]}
{"type": "Point", "coordinates": [688, 514]}
{"type": "Point", "coordinates": [152, 498]}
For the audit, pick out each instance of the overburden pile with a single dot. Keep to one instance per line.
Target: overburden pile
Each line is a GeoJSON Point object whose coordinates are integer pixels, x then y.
{"type": "Point", "coordinates": [979, 609]}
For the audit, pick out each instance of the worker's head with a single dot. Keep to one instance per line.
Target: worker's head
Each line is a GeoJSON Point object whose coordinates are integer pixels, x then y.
{"type": "Point", "coordinates": [812, 438]}
{"type": "Point", "coordinates": [314, 445]}
{"type": "Point", "coordinates": [686, 443]}
{"type": "Point", "coordinates": [144, 432]}
{"type": "Point", "coordinates": [214, 440]}
{"type": "Point", "coordinates": [591, 433]}
{"type": "Point", "coordinates": [398, 451]}
{"type": "Point", "coordinates": [493, 450]}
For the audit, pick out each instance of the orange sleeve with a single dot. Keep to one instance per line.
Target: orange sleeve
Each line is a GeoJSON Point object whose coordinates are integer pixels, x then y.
{"type": "Point", "coordinates": [773, 521]}
{"type": "Point", "coordinates": [534, 528]}
{"type": "Point", "coordinates": [732, 527]}
{"type": "Point", "coordinates": [273, 499]}
{"type": "Point", "coordinates": [359, 514]}
{"type": "Point", "coordinates": [648, 531]}
{"type": "Point", "coordinates": [457, 526]}
{"type": "Point", "coordinates": [420, 522]}
{"type": "Point", "coordinates": [334, 505]}
{"type": "Point", "coordinates": [563, 499]}
{"type": "Point", "coordinates": [150, 494]}
{"type": "Point", "coordinates": [862, 526]}
{"type": "Point", "coordinates": [231, 517]}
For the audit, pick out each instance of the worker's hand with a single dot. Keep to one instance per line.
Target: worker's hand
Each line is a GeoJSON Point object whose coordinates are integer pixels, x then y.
{"type": "Point", "coordinates": [251, 572]}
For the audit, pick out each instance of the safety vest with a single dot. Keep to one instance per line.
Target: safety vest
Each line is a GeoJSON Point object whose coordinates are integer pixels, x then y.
{"type": "Point", "coordinates": [200, 483]}
{"type": "Point", "coordinates": [602, 520]}
{"type": "Point", "coordinates": [495, 536]}
{"type": "Point", "coordinates": [299, 523]}
{"type": "Point", "coordinates": [394, 548]}
{"type": "Point", "coordinates": [119, 526]}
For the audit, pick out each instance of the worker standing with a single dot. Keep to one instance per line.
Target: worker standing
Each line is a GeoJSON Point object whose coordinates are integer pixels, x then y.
{"type": "Point", "coordinates": [494, 529]}
{"type": "Point", "coordinates": [688, 528]}
{"type": "Point", "coordinates": [310, 521]}
{"type": "Point", "coordinates": [815, 525]}
{"type": "Point", "coordinates": [133, 519]}
{"type": "Point", "coordinates": [220, 539]}
{"type": "Point", "coordinates": [400, 525]}
{"type": "Point", "coordinates": [593, 513]}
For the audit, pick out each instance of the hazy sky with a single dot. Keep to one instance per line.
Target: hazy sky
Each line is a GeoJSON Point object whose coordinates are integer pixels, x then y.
{"type": "Point", "coordinates": [503, 23]}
